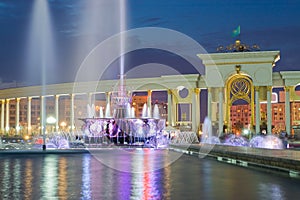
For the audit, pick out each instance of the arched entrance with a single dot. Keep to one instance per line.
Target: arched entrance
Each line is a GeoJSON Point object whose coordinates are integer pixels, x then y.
{"type": "Point", "coordinates": [239, 90]}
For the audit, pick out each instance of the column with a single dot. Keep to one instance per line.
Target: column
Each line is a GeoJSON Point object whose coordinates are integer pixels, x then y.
{"type": "Point", "coordinates": [7, 116]}
{"type": "Point", "coordinates": [29, 115]}
{"type": "Point", "coordinates": [90, 99]}
{"type": "Point", "coordinates": [170, 108]}
{"type": "Point", "coordinates": [198, 90]}
{"type": "Point", "coordinates": [174, 108]}
{"type": "Point", "coordinates": [149, 111]}
{"type": "Point", "coordinates": [56, 113]}
{"type": "Point", "coordinates": [72, 122]}
{"type": "Point", "coordinates": [209, 103]}
{"type": "Point", "coordinates": [221, 120]}
{"type": "Point", "coordinates": [2, 115]}
{"type": "Point", "coordinates": [17, 115]}
{"type": "Point", "coordinates": [43, 120]}
{"type": "Point", "coordinates": [287, 109]}
{"type": "Point", "coordinates": [195, 109]}
{"type": "Point", "coordinates": [269, 109]}
{"type": "Point", "coordinates": [257, 110]}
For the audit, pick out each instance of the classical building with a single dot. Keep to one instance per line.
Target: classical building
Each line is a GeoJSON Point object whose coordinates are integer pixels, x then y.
{"type": "Point", "coordinates": [230, 77]}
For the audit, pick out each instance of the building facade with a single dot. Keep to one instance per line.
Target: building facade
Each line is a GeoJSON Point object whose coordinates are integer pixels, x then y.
{"type": "Point", "coordinates": [229, 78]}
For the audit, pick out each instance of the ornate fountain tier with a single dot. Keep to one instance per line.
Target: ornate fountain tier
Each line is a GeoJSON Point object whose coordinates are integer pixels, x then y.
{"type": "Point", "coordinates": [121, 100]}
{"type": "Point", "coordinates": [124, 126]}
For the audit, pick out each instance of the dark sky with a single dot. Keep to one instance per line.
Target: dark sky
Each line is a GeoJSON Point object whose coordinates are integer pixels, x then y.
{"type": "Point", "coordinates": [51, 41]}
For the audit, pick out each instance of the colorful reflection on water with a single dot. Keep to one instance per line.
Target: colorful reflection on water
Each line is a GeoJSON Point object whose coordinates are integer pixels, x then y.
{"type": "Point", "coordinates": [84, 176]}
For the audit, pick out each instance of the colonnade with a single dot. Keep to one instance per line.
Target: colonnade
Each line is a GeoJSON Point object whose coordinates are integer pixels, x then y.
{"type": "Point", "coordinates": [5, 109]}
{"type": "Point", "coordinates": [216, 97]}
{"type": "Point", "coordinates": [5, 113]}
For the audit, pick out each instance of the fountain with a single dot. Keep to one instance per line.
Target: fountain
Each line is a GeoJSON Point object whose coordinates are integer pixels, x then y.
{"type": "Point", "coordinates": [156, 112]}
{"type": "Point", "coordinates": [145, 111]}
{"type": "Point", "coordinates": [266, 141]}
{"type": "Point", "coordinates": [234, 140]}
{"type": "Point", "coordinates": [207, 136]}
{"type": "Point", "coordinates": [123, 127]}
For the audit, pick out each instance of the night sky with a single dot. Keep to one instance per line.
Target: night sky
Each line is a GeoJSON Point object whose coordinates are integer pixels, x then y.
{"type": "Point", "coordinates": [73, 28]}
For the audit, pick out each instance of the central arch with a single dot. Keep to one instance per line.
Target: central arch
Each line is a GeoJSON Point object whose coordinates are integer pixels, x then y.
{"type": "Point", "coordinates": [239, 87]}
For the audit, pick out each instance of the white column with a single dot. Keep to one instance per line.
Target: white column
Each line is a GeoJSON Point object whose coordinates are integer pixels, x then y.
{"type": "Point", "coordinates": [90, 98]}
{"type": "Point", "coordinates": [198, 108]}
{"type": "Point", "coordinates": [149, 103]}
{"type": "Point", "coordinates": [195, 109]}
{"type": "Point", "coordinates": [7, 116]}
{"type": "Point", "coordinates": [209, 103]}
{"type": "Point", "coordinates": [174, 110]}
{"type": "Point", "coordinates": [72, 122]}
{"type": "Point", "coordinates": [56, 113]}
{"type": "Point", "coordinates": [170, 108]}
{"type": "Point", "coordinates": [2, 115]}
{"type": "Point", "coordinates": [287, 109]}
{"type": "Point", "coordinates": [29, 115]}
{"type": "Point", "coordinates": [257, 110]}
{"type": "Point", "coordinates": [269, 109]}
{"type": "Point", "coordinates": [43, 120]}
{"type": "Point", "coordinates": [17, 115]}
{"type": "Point", "coordinates": [221, 120]}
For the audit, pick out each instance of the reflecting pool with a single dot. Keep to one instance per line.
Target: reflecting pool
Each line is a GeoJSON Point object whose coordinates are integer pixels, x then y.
{"type": "Point", "coordinates": [146, 174]}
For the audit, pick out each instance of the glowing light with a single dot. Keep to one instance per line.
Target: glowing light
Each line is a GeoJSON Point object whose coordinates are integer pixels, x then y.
{"type": "Point", "coordinates": [51, 120]}
{"type": "Point", "coordinates": [63, 124]}
{"type": "Point", "coordinates": [246, 131]}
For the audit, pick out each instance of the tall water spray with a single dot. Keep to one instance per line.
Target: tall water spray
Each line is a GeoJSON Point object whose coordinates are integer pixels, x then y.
{"type": "Point", "coordinates": [40, 56]}
{"type": "Point", "coordinates": [207, 134]}
{"type": "Point", "coordinates": [156, 112]}
{"type": "Point", "coordinates": [40, 51]}
{"type": "Point", "coordinates": [122, 40]}
{"type": "Point", "coordinates": [101, 115]}
{"type": "Point", "coordinates": [144, 111]}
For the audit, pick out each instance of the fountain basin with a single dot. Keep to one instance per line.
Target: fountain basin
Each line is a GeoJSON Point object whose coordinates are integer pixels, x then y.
{"type": "Point", "coordinates": [124, 130]}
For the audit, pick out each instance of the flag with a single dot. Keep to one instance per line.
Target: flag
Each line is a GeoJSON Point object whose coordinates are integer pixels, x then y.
{"type": "Point", "coordinates": [236, 32]}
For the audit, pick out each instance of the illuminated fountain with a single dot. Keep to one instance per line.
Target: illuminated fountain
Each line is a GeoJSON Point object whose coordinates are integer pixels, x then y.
{"type": "Point", "coordinates": [123, 127]}
{"type": "Point", "coordinates": [207, 136]}
{"type": "Point", "coordinates": [235, 140]}
{"type": "Point", "coordinates": [119, 124]}
{"type": "Point", "coordinates": [267, 141]}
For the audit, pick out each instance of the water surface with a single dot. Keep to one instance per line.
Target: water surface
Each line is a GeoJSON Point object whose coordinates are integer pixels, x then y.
{"type": "Point", "coordinates": [145, 174]}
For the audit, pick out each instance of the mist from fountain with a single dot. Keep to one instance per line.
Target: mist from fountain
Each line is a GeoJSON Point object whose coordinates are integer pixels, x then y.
{"type": "Point", "coordinates": [234, 140]}
{"type": "Point", "coordinates": [40, 55]}
{"type": "Point", "coordinates": [133, 112]}
{"type": "Point", "coordinates": [101, 115]}
{"type": "Point", "coordinates": [91, 112]}
{"type": "Point", "coordinates": [128, 111]}
{"type": "Point", "coordinates": [266, 141]}
{"type": "Point", "coordinates": [207, 136]}
{"type": "Point", "coordinates": [144, 111]}
{"type": "Point", "coordinates": [156, 112]}
{"type": "Point", "coordinates": [149, 112]}
{"type": "Point", "coordinates": [107, 111]}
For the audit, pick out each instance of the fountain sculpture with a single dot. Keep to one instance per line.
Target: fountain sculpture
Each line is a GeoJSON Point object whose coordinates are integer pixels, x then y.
{"type": "Point", "coordinates": [123, 127]}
